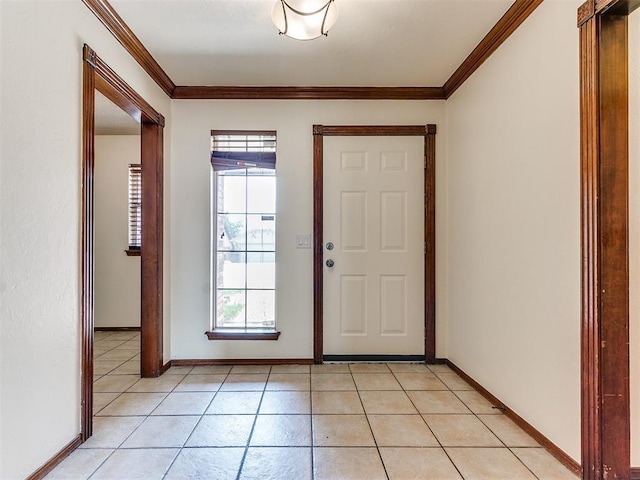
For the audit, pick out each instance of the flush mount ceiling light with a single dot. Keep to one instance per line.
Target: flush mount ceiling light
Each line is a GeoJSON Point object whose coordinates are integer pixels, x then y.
{"type": "Point", "coordinates": [304, 19]}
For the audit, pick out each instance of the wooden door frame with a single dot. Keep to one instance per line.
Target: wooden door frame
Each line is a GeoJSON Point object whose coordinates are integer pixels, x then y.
{"type": "Point", "coordinates": [428, 132]}
{"type": "Point", "coordinates": [97, 75]}
{"type": "Point", "coordinates": [604, 153]}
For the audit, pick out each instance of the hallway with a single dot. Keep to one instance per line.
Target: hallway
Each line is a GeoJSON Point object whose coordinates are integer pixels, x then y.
{"type": "Point", "coordinates": [332, 421]}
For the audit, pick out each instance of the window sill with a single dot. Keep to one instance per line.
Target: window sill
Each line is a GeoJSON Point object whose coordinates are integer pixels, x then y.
{"type": "Point", "coordinates": [237, 334]}
{"type": "Point", "coordinates": [132, 252]}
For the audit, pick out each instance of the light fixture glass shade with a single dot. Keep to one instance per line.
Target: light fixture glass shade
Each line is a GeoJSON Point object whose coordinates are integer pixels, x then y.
{"type": "Point", "coordinates": [304, 19]}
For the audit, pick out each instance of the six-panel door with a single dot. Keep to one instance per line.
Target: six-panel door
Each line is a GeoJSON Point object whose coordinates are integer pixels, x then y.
{"type": "Point", "coordinates": [373, 215]}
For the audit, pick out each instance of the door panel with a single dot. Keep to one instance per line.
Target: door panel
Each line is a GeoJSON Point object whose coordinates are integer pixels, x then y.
{"type": "Point", "coordinates": [393, 301]}
{"type": "Point", "coordinates": [353, 221]}
{"type": "Point", "coordinates": [374, 215]}
{"type": "Point", "coordinates": [393, 216]}
{"type": "Point", "coordinates": [353, 305]}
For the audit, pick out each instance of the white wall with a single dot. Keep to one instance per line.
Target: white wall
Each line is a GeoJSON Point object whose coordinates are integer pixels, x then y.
{"type": "Point", "coordinates": [508, 275]}
{"type": "Point", "coordinates": [513, 199]}
{"type": "Point", "coordinates": [634, 230]}
{"type": "Point", "coordinates": [190, 235]}
{"type": "Point", "coordinates": [40, 188]}
{"type": "Point", "coordinates": [117, 276]}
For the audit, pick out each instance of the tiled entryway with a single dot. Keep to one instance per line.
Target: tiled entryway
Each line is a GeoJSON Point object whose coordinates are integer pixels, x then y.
{"type": "Point", "coordinates": [295, 422]}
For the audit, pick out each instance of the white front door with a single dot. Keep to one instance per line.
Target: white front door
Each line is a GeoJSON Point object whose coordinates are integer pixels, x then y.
{"type": "Point", "coordinates": [374, 219]}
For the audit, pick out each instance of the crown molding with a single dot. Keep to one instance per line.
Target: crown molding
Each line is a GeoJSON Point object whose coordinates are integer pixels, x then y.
{"type": "Point", "coordinates": [510, 21]}
{"type": "Point", "coordinates": [121, 31]}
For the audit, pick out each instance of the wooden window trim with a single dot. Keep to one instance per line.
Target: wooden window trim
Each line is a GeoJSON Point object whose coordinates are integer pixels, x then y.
{"type": "Point", "coordinates": [249, 334]}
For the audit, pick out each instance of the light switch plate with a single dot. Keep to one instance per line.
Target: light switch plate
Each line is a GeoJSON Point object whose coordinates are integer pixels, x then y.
{"type": "Point", "coordinates": [303, 241]}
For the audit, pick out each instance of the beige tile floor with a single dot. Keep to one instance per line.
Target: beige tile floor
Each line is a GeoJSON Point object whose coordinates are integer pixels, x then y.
{"type": "Point", "coordinates": [295, 422]}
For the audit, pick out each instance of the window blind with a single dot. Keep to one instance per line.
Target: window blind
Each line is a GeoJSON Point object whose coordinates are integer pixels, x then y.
{"type": "Point", "coordinates": [237, 149]}
{"type": "Point", "coordinates": [135, 206]}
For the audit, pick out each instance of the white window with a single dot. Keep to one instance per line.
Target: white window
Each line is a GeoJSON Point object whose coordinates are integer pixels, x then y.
{"type": "Point", "coordinates": [244, 230]}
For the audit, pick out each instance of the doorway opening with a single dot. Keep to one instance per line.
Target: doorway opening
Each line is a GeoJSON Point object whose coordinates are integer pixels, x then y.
{"type": "Point", "coordinates": [99, 77]}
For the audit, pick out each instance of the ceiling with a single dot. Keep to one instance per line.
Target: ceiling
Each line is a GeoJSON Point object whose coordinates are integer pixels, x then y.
{"type": "Point", "coordinates": [387, 43]}
{"type": "Point", "coordinates": [112, 120]}
{"type": "Point", "coordinates": [375, 43]}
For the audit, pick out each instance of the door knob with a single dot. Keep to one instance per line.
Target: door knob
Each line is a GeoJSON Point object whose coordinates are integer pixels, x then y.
{"type": "Point", "coordinates": [329, 245]}
{"type": "Point", "coordinates": [329, 263]}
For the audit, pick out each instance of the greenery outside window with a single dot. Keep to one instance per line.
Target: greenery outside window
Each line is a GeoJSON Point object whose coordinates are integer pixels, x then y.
{"type": "Point", "coordinates": [244, 232]}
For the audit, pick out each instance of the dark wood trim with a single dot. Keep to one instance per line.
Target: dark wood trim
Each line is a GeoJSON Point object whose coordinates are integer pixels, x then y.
{"type": "Point", "coordinates": [604, 225]}
{"type": "Point", "coordinates": [376, 130]}
{"type": "Point", "coordinates": [87, 256]}
{"type": "Point", "coordinates": [426, 131]}
{"type": "Point", "coordinates": [121, 31]}
{"type": "Point", "coordinates": [510, 21]}
{"type": "Point", "coordinates": [318, 234]}
{"type": "Point", "coordinates": [97, 76]}
{"type": "Point", "coordinates": [166, 367]}
{"type": "Point", "coordinates": [437, 361]}
{"type": "Point", "coordinates": [590, 386]}
{"type": "Point", "coordinates": [151, 257]}
{"type": "Point", "coordinates": [635, 473]}
{"type": "Point", "coordinates": [56, 459]}
{"type": "Point", "coordinates": [602, 5]}
{"type": "Point", "coordinates": [132, 253]}
{"type": "Point", "coordinates": [116, 329]}
{"type": "Point", "coordinates": [241, 335]}
{"type": "Point", "coordinates": [107, 82]}
{"type": "Point", "coordinates": [112, 86]}
{"type": "Point", "coordinates": [586, 11]}
{"type": "Point", "coordinates": [244, 132]}
{"type": "Point", "coordinates": [241, 361]}
{"type": "Point", "coordinates": [616, 7]}
{"type": "Point", "coordinates": [373, 358]}
{"type": "Point", "coordinates": [613, 245]}
{"type": "Point", "coordinates": [551, 447]}
{"type": "Point", "coordinates": [306, 93]}
{"type": "Point", "coordinates": [430, 244]}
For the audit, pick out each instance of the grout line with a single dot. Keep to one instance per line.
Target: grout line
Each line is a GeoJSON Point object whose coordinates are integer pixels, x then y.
{"type": "Point", "coordinates": [199, 420]}
{"type": "Point", "coordinates": [255, 420]}
{"type": "Point", "coordinates": [429, 426]}
{"type": "Point", "coordinates": [507, 446]}
{"type": "Point", "coordinates": [366, 416]}
{"type": "Point", "coordinates": [175, 457]}
{"type": "Point", "coordinates": [311, 404]}
{"type": "Point", "coordinates": [114, 450]}
{"type": "Point", "coordinates": [311, 414]}
{"type": "Point", "coordinates": [483, 423]}
{"type": "Point", "coordinates": [95, 413]}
